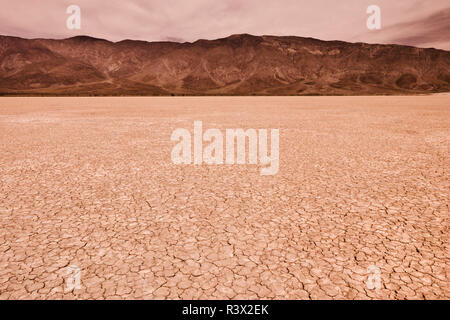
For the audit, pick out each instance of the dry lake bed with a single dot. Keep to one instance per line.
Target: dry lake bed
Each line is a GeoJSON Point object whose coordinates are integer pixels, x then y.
{"type": "Point", "coordinates": [92, 206]}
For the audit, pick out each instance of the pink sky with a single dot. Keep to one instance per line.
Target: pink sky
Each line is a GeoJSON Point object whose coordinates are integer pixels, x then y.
{"type": "Point", "coordinates": [423, 23]}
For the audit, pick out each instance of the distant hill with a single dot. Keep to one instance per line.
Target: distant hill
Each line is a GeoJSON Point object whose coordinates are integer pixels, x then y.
{"type": "Point", "coordinates": [237, 65]}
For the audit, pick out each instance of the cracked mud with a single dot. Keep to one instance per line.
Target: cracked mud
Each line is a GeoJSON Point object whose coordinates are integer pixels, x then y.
{"type": "Point", "coordinates": [363, 181]}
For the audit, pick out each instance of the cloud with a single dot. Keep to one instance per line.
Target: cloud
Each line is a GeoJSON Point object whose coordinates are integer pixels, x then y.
{"type": "Point", "coordinates": [174, 39]}
{"type": "Point", "coordinates": [425, 29]}
{"type": "Point", "coordinates": [181, 20]}
{"type": "Point", "coordinates": [434, 29]}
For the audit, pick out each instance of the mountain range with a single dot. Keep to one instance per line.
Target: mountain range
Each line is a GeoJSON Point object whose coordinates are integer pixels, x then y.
{"type": "Point", "coordinates": [236, 65]}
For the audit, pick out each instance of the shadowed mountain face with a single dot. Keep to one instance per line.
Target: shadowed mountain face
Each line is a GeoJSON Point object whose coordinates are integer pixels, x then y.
{"type": "Point", "coordinates": [237, 65]}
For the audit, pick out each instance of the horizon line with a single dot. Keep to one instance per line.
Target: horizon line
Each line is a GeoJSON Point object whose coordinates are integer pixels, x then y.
{"type": "Point", "coordinates": [215, 39]}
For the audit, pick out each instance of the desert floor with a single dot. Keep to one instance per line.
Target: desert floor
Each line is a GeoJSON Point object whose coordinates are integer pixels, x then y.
{"type": "Point", "coordinates": [88, 183]}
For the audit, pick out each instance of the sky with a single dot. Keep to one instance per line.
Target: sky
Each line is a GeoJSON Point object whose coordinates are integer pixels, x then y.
{"type": "Point", "coordinates": [422, 23]}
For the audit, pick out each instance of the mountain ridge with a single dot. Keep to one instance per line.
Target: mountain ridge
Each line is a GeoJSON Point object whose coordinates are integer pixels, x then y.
{"type": "Point", "coordinates": [240, 64]}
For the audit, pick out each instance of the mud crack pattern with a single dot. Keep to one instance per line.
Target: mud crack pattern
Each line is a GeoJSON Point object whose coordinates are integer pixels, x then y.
{"type": "Point", "coordinates": [89, 182]}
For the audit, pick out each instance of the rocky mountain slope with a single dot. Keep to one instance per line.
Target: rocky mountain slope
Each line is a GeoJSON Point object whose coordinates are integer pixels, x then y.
{"type": "Point", "coordinates": [236, 65]}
